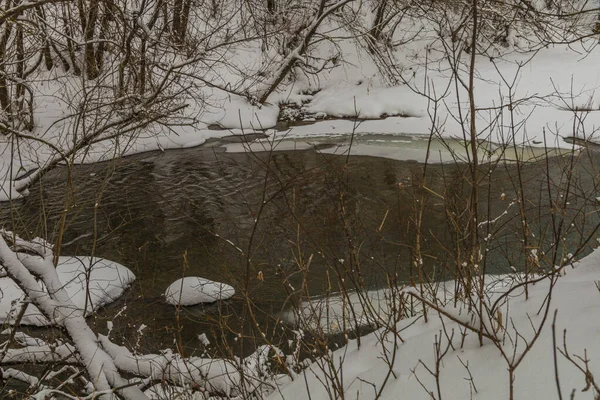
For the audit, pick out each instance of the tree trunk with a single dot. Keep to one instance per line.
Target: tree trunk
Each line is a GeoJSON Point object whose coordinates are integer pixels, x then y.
{"type": "Point", "coordinates": [46, 50]}
{"type": "Point", "coordinates": [176, 27]}
{"type": "Point", "coordinates": [20, 69]}
{"type": "Point", "coordinates": [142, 75]}
{"type": "Point", "coordinates": [5, 100]}
{"type": "Point", "coordinates": [82, 18]}
{"type": "Point", "coordinates": [377, 23]}
{"type": "Point", "coordinates": [185, 17]}
{"type": "Point", "coordinates": [91, 66]}
{"type": "Point", "coordinates": [70, 44]}
{"type": "Point", "coordinates": [104, 27]}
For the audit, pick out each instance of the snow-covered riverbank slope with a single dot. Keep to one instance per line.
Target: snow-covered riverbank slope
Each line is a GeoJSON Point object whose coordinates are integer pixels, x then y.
{"type": "Point", "coordinates": [549, 339]}
{"type": "Point", "coordinates": [523, 93]}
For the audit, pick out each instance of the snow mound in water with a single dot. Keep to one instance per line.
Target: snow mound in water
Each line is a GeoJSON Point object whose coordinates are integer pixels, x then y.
{"type": "Point", "coordinates": [90, 282]}
{"type": "Point", "coordinates": [194, 290]}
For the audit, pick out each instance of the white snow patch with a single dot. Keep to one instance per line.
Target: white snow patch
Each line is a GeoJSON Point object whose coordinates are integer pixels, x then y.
{"type": "Point", "coordinates": [204, 339]}
{"type": "Point", "coordinates": [343, 312]}
{"type": "Point", "coordinates": [366, 101]}
{"type": "Point", "coordinates": [410, 357]}
{"type": "Point", "coordinates": [193, 290]}
{"type": "Point", "coordinates": [238, 113]}
{"type": "Point", "coordinates": [90, 282]}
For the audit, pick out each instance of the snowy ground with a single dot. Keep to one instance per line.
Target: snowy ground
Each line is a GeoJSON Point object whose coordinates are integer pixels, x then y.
{"type": "Point", "coordinates": [467, 369]}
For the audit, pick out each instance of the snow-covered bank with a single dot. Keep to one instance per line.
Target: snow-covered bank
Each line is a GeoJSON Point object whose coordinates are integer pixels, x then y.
{"type": "Point", "coordinates": [441, 357]}
{"type": "Point", "coordinates": [534, 98]}
{"type": "Point", "coordinates": [546, 91]}
{"type": "Point", "coordinates": [90, 283]}
{"type": "Point", "coordinates": [373, 308]}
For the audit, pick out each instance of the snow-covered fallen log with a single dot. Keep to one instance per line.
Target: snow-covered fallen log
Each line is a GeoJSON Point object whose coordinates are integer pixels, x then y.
{"type": "Point", "coordinates": [56, 305]}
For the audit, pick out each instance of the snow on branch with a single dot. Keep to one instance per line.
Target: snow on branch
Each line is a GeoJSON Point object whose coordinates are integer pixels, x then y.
{"type": "Point", "coordinates": [289, 61]}
{"type": "Point", "coordinates": [23, 267]}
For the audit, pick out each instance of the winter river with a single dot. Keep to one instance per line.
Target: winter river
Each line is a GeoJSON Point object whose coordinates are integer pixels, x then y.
{"type": "Point", "coordinates": [276, 224]}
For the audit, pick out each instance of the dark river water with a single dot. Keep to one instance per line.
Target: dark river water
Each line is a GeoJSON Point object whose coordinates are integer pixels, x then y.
{"type": "Point", "coordinates": [279, 225]}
